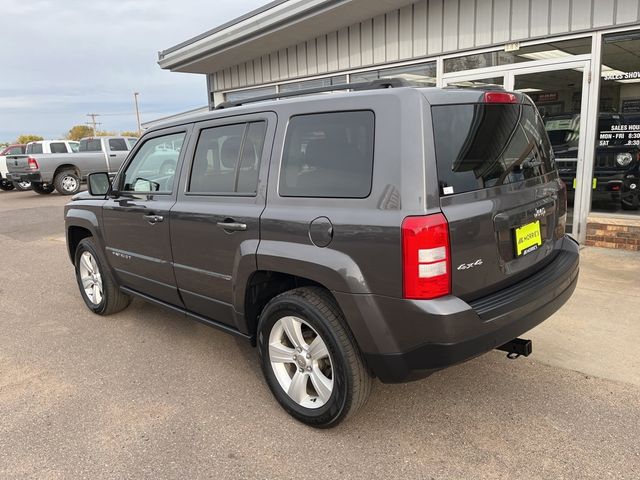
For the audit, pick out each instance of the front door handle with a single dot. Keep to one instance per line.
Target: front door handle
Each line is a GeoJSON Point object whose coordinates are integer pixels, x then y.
{"type": "Point", "coordinates": [232, 226]}
{"type": "Point", "coordinates": [153, 219]}
{"type": "Point", "coordinates": [112, 155]}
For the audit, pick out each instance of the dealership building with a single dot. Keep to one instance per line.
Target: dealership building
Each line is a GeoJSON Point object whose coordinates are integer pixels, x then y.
{"type": "Point", "coordinates": [579, 60]}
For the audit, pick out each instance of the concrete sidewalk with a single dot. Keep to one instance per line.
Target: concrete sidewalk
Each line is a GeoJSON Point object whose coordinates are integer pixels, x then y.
{"type": "Point", "coordinates": [597, 332]}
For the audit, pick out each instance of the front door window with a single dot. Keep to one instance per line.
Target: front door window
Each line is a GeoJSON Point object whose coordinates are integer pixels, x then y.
{"type": "Point", "coordinates": [153, 168]}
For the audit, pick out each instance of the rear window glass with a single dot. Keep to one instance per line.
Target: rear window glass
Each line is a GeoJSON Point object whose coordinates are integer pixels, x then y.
{"type": "Point", "coordinates": [16, 151]}
{"type": "Point", "coordinates": [58, 147]}
{"type": "Point", "coordinates": [483, 145]}
{"type": "Point", "coordinates": [328, 155]}
{"type": "Point", "coordinates": [34, 148]}
{"type": "Point", "coordinates": [90, 145]}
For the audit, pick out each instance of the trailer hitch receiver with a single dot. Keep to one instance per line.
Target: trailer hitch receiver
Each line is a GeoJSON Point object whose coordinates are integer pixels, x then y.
{"type": "Point", "coordinates": [518, 347]}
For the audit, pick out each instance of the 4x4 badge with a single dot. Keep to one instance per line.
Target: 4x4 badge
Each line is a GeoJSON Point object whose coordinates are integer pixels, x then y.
{"type": "Point", "coordinates": [467, 266]}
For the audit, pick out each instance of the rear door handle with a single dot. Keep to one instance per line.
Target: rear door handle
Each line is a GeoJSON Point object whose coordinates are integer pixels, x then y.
{"type": "Point", "coordinates": [112, 155]}
{"type": "Point", "coordinates": [153, 219]}
{"type": "Point", "coordinates": [232, 226]}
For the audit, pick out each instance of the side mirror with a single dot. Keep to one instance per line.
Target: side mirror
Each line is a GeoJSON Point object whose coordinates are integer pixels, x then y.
{"type": "Point", "coordinates": [99, 184]}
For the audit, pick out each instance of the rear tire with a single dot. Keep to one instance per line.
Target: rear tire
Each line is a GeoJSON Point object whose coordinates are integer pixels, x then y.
{"type": "Point", "coordinates": [42, 188]}
{"type": "Point", "coordinates": [67, 182]}
{"type": "Point", "coordinates": [98, 289]}
{"type": "Point", "coordinates": [6, 185]}
{"type": "Point", "coordinates": [22, 186]}
{"type": "Point", "coordinates": [310, 359]}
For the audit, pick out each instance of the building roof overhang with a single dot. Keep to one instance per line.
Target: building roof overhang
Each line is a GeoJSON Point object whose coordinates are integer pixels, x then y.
{"type": "Point", "coordinates": [277, 25]}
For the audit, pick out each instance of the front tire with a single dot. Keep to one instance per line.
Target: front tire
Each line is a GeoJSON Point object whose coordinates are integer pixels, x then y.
{"type": "Point", "coordinates": [98, 289]}
{"type": "Point", "coordinates": [42, 188]}
{"type": "Point", "coordinates": [67, 182]}
{"type": "Point", "coordinates": [310, 359]}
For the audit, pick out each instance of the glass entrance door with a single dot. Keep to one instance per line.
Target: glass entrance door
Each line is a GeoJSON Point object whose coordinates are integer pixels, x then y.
{"type": "Point", "coordinates": [560, 93]}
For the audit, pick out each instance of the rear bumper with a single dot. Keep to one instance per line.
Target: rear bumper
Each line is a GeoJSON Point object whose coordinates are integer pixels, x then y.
{"type": "Point", "coordinates": [432, 335]}
{"type": "Point", "coordinates": [24, 177]}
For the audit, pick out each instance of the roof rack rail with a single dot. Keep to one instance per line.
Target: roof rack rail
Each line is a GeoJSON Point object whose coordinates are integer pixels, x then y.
{"type": "Point", "coordinates": [372, 85]}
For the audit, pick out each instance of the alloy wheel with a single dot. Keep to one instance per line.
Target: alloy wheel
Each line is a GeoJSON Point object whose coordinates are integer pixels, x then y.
{"type": "Point", "coordinates": [91, 278]}
{"type": "Point", "coordinates": [301, 362]}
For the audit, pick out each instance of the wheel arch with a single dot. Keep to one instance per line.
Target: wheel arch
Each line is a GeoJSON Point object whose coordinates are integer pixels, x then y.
{"type": "Point", "coordinates": [80, 224]}
{"type": "Point", "coordinates": [66, 166]}
{"type": "Point", "coordinates": [263, 285]}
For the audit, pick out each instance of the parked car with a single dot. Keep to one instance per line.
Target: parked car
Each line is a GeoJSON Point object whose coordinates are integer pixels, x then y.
{"type": "Point", "coordinates": [64, 172]}
{"type": "Point", "coordinates": [5, 184]}
{"type": "Point", "coordinates": [388, 232]}
{"type": "Point", "coordinates": [616, 167]}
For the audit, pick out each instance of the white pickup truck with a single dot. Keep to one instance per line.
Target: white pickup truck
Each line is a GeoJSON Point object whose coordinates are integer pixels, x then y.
{"type": "Point", "coordinates": [64, 172]}
{"type": "Point", "coordinates": [15, 149]}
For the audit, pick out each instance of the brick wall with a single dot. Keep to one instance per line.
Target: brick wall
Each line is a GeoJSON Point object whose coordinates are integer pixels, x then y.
{"type": "Point", "coordinates": [613, 233]}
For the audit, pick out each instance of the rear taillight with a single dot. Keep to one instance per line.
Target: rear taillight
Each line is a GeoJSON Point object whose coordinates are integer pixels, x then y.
{"type": "Point", "coordinates": [500, 97]}
{"type": "Point", "coordinates": [32, 164]}
{"type": "Point", "coordinates": [426, 257]}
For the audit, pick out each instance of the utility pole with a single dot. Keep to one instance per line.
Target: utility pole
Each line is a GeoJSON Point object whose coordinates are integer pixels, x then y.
{"type": "Point", "coordinates": [93, 122]}
{"type": "Point", "coordinates": [135, 100]}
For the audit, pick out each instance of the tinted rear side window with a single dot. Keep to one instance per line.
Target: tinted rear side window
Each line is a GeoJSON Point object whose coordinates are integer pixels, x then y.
{"type": "Point", "coordinates": [16, 151]}
{"type": "Point", "coordinates": [227, 159]}
{"type": "Point", "coordinates": [483, 145]}
{"type": "Point", "coordinates": [118, 145]}
{"type": "Point", "coordinates": [58, 147]}
{"type": "Point", "coordinates": [328, 155]}
{"type": "Point", "coordinates": [91, 145]}
{"type": "Point", "coordinates": [34, 148]}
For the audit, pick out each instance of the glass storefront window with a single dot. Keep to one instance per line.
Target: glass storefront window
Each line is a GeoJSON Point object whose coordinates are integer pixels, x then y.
{"type": "Point", "coordinates": [315, 83]}
{"type": "Point", "coordinates": [547, 51]}
{"type": "Point", "coordinates": [423, 74]}
{"type": "Point", "coordinates": [616, 170]}
{"type": "Point", "coordinates": [478, 83]}
{"type": "Point", "coordinates": [250, 93]}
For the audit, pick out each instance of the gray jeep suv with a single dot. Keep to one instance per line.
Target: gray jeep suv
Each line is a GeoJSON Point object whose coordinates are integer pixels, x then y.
{"type": "Point", "coordinates": [380, 232]}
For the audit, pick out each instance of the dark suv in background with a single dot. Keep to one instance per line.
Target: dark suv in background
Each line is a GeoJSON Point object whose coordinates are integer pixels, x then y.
{"type": "Point", "coordinates": [387, 232]}
{"type": "Point", "coordinates": [616, 168]}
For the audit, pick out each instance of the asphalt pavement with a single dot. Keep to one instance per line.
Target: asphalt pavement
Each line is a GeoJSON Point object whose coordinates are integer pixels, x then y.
{"type": "Point", "coordinates": [149, 394]}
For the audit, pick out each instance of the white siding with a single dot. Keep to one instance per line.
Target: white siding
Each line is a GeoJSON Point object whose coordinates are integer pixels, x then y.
{"type": "Point", "coordinates": [392, 39]}
{"type": "Point", "coordinates": [427, 28]}
{"type": "Point", "coordinates": [366, 41]}
{"type": "Point", "coordinates": [379, 39]}
{"type": "Point", "coordinates": [405, 32]}
{"type": "Point", "coordinates": [434, 27]}
{"type": "Point", "coordinates": [420, 28]}
{"type": "Point", "coordinates": [539, 18]}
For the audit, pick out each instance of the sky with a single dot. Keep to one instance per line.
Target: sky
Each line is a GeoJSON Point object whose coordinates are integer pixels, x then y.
{"type": "Point", "coordinates": [62, 59]}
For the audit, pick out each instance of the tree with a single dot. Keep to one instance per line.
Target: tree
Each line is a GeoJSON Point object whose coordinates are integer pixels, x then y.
{"type": "Point", "coordinates": [105, 133]}
{"type": "Point", "coordinates": [28, 138]}
{"type": "Point", "coordinates": [130, 133]}
{"type": "Point", "coordinates": [79, 131]}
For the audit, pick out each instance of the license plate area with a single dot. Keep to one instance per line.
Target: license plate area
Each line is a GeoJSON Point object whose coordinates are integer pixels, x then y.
{"type": "Point", "coordinates": [527, 238]}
